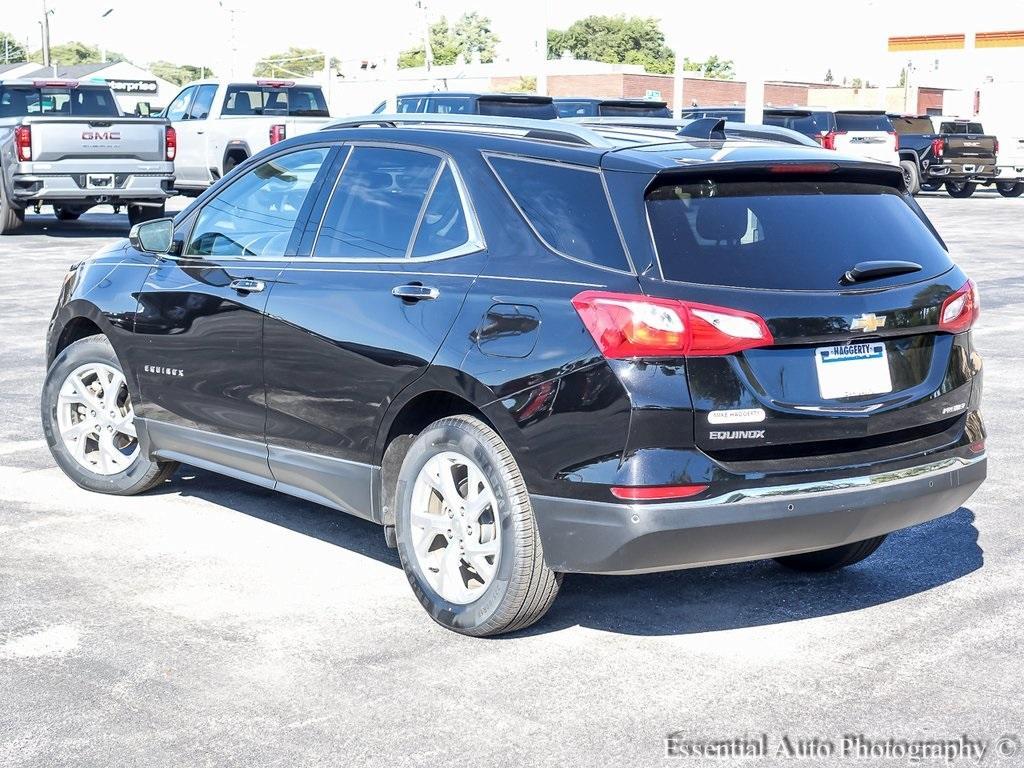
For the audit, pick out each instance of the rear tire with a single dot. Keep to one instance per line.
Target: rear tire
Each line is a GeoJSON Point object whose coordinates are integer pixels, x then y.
{"type": "Point", "coordinates": [831, 559]}
{"type": "Point", "coordinates": [69, 417]}
{"type": "Point", "coordinates": [11, 217]}
{"type": "Point", "coordinates": [960, 188]}
{"type": "Point", "coordinates": [472, 554]}
{"type": "Point", "coordinates": [911, 176]}
{"type": "Point", "coordinates": [1010, 189]}
{"type": "Point", "coordinates": [66, 214]}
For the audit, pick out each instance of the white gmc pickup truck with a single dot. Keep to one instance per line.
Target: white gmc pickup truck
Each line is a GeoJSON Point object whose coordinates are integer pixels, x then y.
{"type": "Point", "coordinates": [220, 124]}
{"type": "Point", "coordinates": [67, 144]}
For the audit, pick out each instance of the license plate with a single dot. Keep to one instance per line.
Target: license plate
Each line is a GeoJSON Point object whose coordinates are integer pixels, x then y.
{"type": "Point", "coordinates": [850, 370]}
{"type": "Point", "coordinates": [970, 169]}
{"type": "Point", "coordinates": [99, 181]}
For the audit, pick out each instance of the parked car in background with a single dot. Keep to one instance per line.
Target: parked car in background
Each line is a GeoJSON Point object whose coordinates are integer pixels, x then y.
{"type": "Point", "coordinates": [958, 155]}
{"type": "Point", "coordinates": [220, 124]}
{"type": "Point", "coordinates": [588, 107]}
{"type": "Point", "coordinates": [495, 104]}
{"type": "Point", "coordinates": [857, 132]}
{"type": "Point", "coordinates": [529, 348]}
{"type": "Point", "coordinates": [67, 144]}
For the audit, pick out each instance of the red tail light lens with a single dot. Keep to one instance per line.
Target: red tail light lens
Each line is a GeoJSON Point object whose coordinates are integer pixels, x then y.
{"type": "Point", "coordinates": [277, 133]}
{"type": "Point", "coordinates": [170, 143]}
{"type": "Point", "coordinates": [626, 326]}
{"type": "Point", "coordinates": [23, 142]}
{"type": "Point", "coordinates": [655, 492]}
{"type": "Point", "coordinates": [938, 145]}
{"type": "Point", "coordinates": [960, 309]}
{"type": "Point", "coordinates": [995, 148]}
{"type": "Point", "coordinates": [828, 140]}
{"type": "Point", "coordinates": [895, 140]}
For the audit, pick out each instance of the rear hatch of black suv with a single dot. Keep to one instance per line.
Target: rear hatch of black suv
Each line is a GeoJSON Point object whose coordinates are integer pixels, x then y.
{"type": "Point", "coordinates": [824, 318]}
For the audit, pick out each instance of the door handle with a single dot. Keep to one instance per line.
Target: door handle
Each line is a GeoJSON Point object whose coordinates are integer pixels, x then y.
{"type": "Point", "coordinates": [247, 285]}
{"type": "Point", "coordinates": [415, 292]}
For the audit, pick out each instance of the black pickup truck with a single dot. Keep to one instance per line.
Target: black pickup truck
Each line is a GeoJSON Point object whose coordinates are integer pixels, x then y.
{"type": "Point", "coordinates": [959, 155]}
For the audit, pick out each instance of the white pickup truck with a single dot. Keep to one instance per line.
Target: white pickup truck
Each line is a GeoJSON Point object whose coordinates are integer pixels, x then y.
{"type": "Point", "coordinates": [67, 144]}
{"type": "Point", "coordinates": [220, 124]}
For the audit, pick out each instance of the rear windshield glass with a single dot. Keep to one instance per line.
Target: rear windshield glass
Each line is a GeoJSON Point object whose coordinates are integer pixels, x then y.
{"type": "Point", "coordinates": [859, 121]}
{"type": "Point", "coordinates": [576, 108]}
{"type": "Point", "coordinates": [961, 128]}
{"type": "Point", "coordinates": [918, 125]}
{"type": "Point", "coordinates": [537, 111]}
{"type": "Point", "coordinates": [295, 101]}
{"type": "Point", "coordinates": [801, 235]}
{"type": "Point", "coordinates": [618, 110]}
{"type": "Point", "coordinates": [83, 102]}
{"type": "Point", "coordinates": [807, 123]}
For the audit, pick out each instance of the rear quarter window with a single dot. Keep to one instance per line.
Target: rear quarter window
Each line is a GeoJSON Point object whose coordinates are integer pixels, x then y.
{"type": "Point", "coordinates": [566, 206]}
{"type": "Point", "coordinates": [798, 235]}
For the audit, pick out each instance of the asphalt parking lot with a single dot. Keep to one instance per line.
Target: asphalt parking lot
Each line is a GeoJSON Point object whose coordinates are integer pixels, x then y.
{"type": "Point", "coordinates": [214, 623]}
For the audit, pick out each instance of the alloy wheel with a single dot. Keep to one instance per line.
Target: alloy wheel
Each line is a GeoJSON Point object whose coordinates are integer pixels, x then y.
{"type": "Point", "coordinates": [456, 533]}
{"type": "Point", "coordinates": [95, 419]}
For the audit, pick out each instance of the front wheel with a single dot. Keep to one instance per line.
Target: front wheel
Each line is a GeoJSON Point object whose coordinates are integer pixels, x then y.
{"type": "Point", "coordinates": [466, 533]}
{"type": "Point", "coordinates": [89, 422]}
{"type": "Point", "coordinates": [960, 188]}
{"type": "Point", "coordinates": [1010, 188]}
{"type": "Point", "coordinates": [832, 559]}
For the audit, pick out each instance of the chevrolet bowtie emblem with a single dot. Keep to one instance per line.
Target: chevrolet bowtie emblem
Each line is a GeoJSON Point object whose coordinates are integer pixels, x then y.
{"type": "Point", "coordinates": [868, 323]}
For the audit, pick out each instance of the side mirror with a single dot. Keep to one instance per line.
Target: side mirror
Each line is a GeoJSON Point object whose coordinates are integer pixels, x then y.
{"type": "Point", "coordinates": [153, 236]}
{"type": "Point", "coordinates": [142, 109]}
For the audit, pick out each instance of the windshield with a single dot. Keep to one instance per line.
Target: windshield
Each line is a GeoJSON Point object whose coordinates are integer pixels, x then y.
{"type": "Point", "coordinates": [960, 128]}
{"type": "Point", "coordinates": [912, 125]}
{"type": "Point", "coordinates": [294, 101]}
{"type": "Point", "coordinates": [576, 108]}
{"type": "Point", "coordinates": [807, 123]}
{"type": "Point", "coordinates": [797, 235]}
{"type": "Point", "coordinates": [81, 102]}
{"type": "Point", "coordinates": [862, 121]}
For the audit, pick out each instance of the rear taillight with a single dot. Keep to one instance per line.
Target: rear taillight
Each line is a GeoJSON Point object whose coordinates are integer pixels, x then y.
{"type": "Point", "coordinates": [995, 147]}
{"type": "Point", "coordinates": [960, 309]}
{"type": "Point", "coordinates": [626, 326]}
{"type": "Point", "coordinates": [23, 142]}
{"type": "Point", "coordinates": [828, 140]}
{"type": "Point", "coordinates": [277, 133]}
{"type": "Point", "coordinates": [170, 143]}
{"type": "Point", "coordinates": [895, 140]}
{"type": "Point", "coordinates": [656, 492]}
{"type": "Point", "coordinates": [937, 147]}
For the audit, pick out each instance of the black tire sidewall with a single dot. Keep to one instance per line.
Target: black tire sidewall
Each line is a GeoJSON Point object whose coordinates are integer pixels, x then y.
{"type": "Point", "coordinates": [910, 169]}
{"type": "Point", "coordinates": [94, 349]}
{"type": "Point", "coordinates": [448, 436]}
{"type": "Point", "coordinates": [1007, 189]}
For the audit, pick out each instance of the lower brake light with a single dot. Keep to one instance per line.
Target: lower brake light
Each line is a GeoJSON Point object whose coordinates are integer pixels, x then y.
{"type": "Point", "coordinates": [23, 142]}
{"type": "Point", "coordinates": [960, 309]}
{"type": "Point", "coordinates": [656, 492]}
{"type": "Point", "coordinates": [629, 326]}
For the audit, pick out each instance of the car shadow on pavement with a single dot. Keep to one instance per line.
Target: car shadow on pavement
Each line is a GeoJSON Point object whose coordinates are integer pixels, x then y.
{"type": "Point", "coordinates": [89, 225]}
{"type": "Point", "coordinates": [676, 602]}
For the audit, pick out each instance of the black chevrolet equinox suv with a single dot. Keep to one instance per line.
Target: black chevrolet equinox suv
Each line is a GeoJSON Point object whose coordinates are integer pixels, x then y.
{"type": "Point", "coordinates": [531, 348]}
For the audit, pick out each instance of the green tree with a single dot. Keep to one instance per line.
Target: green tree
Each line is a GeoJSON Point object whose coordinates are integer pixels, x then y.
{"type": "Point", "coordinates": [828, 76]}
{"type": "Point", "coordinates": [295, 62]}
{"type": "Point", "coordinates": [526, 84]}
{"type": "Point", "coordinates": [11, 51]}
{"type": "Point", "coordinates": [713, 67]}
{"type": "Point", "coordinates": [471, 33]}
{"type": "Point", "coordinates": [616, 40]}
{"type": "Point", "coordinates": [76, 52]}
{"type": "Point", "coordinates": [179, 74]}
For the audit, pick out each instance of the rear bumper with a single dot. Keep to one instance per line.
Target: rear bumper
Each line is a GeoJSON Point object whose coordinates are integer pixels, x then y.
{"type": "Point", "coordinates": [598, 537]}
{"type": "Point", "coordinates": [30, 188]}
{"type": "Point", "coordinates": [979, 170]}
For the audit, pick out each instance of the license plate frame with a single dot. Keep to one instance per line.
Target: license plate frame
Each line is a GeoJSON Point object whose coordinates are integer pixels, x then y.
{"type": "Point", "coordinates": [102, 181]}
{"type": "Point", "coordinates": [856, 369]}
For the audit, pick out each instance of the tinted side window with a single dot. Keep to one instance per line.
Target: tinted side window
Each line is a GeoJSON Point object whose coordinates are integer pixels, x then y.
{"type": "Point", "coordinates": [307, 102]}
{"type": "Point", "coordinates": [200, 108]}
{"type": "Point", "coordinates": [443, 226]}
{"type": "Point", "coordinates": [449, 105]}
{"type": "Point", "coordinates": [567, 207]}
{"type": "Point", "coordinates": [376, 203]}
{"type": "Point", "coordinates": [807, 123]}
{"type": "Point", "coordinates": [255, 215]}
{"type": "Point", "coordinates": [858, 121]}
{"type": "Point", "coordinates": [176, 109]}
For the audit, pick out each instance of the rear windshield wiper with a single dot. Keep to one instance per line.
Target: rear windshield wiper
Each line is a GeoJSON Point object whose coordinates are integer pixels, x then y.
{"type": "Point", "coordinates": [871, 270]}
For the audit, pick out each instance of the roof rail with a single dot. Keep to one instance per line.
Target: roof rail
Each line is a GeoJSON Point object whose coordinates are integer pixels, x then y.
{"type": "Point", "coordinates": [545, 130]}
{"type": "Point", "coordinates": [732, 130]}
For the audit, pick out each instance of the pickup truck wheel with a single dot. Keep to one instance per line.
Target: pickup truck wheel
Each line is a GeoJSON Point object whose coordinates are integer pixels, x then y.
{"type": "Point", "coordinates": [931, 186]}
{"type": "Point", "coordinates": [960, 188]}
{"type": "Point", "coordinates": [911, 176]}
{"type": "Point", "coordinates": [466, 533]}
{"type": "Point", "coordinates": [832, 559]}
{"type": "Point", "coordinates": [66, 214]}
{"type": "Point", "coordinates": [89, 422]}
{"type": "Point", "coordinates": [1010, 189]}
{"type": "Point", "coordinates": [11, 217]}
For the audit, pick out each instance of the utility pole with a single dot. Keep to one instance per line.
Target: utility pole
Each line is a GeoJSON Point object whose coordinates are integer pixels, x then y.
{"type": "Point", "coordinates": [234, 45]}
{"type": "Point", "coordinates": [103, 46]}
{"type": "Point", "coordinates": [46, 35]}
{"type": "Point", "coordinates": [428, 52]}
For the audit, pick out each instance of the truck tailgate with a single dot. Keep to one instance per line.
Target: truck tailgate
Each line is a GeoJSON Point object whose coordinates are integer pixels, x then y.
{"type": "Point", "coordinates": [66, 138]}
{"type": "Point", "coordinates": [970, 148]}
